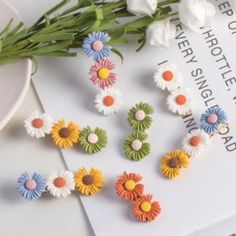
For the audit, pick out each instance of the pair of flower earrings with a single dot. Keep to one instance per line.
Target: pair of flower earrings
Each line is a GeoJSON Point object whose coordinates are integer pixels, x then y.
{"type": "Point", "coordinates": [128, 187]}
{"type": "Point", "coordinates": [108, 101]}
{"type": "Point", "coordinates": [136, 146]}
{"type": "Point", "coordinates": [86, 182]}
{"type": "Point", "coordinates": [180, 101]}
{"type": "Point", "coordinates": [66, 134]}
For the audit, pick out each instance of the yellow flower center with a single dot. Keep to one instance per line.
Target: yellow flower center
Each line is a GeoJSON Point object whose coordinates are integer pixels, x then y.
{"type": "Point", "coordinates": [103, 73]}
{"type": "Point", "coordinates": [130, 185]}
{"type": "Point", "coordinates": [146, 206]}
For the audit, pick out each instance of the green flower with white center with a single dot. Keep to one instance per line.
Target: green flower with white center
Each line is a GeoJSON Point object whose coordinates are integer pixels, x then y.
{"type": "Point", "coordinates": [93, 141]}
{"type": "Point", "coordinates": [139, 116]}
{"type": "Point", "coordinates": [135, 147]}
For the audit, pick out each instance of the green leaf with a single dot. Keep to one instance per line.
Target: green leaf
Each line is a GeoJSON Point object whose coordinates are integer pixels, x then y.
{"type": "Point", "coordinates": [7, 27]}
{"type": "Point", "coordinates": [52, 37]}
{"type": "Point", "coordinates": [0, 46]}
{"type": "Point", "coordinates": [118, 53]}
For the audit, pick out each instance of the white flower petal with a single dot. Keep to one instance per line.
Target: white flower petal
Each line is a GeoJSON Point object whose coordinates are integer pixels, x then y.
{"type": "Point", "coordinates": [196, 13]}
{"type": "Point", "coordinates": [108, 110]}
{"type": "Point", "coordinates": [38, 132]}
{"type": "Point", "coordinates": [170, 85]}
{"type": "Point", "coordinates": [142, 7]}
{"type": "Point", "coordinates": [194, 151]}
{"type": "Point", "coordinates": [181, 109]}
{"type": "Point", "coordinates": [160, 33]}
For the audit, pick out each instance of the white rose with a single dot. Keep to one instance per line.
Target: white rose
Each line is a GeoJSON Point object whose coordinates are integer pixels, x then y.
{"type": "Point", "coordinates": [160, 33]}
{"type": "Point", "coordinates": [196, 13]}
{"type": "Point", "coordinates": [142, 7]}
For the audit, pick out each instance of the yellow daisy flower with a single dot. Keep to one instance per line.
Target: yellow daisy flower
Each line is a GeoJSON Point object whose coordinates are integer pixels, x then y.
{"type": "Point", "coordinates": [65, 136]}
{"type": "Point", "coordinates": [172, 162]}
{"type": "Point", "coordinates": [89, 182]}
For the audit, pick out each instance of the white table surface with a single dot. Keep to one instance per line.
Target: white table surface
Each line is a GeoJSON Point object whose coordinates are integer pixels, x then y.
{"type": "Point", "coordinates": [19, 153]}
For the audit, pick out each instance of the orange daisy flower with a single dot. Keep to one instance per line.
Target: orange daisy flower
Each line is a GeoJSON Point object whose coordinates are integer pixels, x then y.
{"type": "Point", "coordinates": [144, 209]}
{"type": "Point", "coordinates": [127, 186]}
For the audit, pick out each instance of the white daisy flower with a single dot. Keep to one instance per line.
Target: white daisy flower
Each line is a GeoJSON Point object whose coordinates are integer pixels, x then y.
{"type": "Point", "coordinates": [38, 125]}
{"type": "Point", "coordinates": [168, 77]}
{"type": "Point", "coordinates": [195, 142]}
{"type": "Point", "coordinates": [180, 101]}
{"type": "Point", "coordinates": [60, 185]}
{"type": "Point", "coordinates": [108, 101]}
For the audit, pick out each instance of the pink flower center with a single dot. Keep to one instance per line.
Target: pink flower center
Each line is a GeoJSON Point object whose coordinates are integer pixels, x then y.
{"type": "Point", "coordinates": [37, 123]}
{"type": "Point", "coordinates": [136, 145]}
{"type": "Point", "coordinates": [140, 115]}
{"type": "Point", "coordinates": [30, 184]}
{"type": "Point", "coordinates": [212, 118]}
{"type": "Point", "coordinates": [92, 138]}
{"type": "Point", "coordinates": [97, 45]}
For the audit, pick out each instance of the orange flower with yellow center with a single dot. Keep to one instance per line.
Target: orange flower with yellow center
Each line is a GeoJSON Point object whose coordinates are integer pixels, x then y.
{"type": "Point", "coordinates": [127, 186]}
{"type": "Point", "coordinates": [144, 209]}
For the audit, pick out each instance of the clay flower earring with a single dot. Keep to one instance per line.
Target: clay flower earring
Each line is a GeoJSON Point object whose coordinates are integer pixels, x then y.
{"type": "Point", "coordinates": [136, 147]}
{"type": "Point", "coordinates": [89, 182]}
{"type": "Point", "coordinates": [168, 77]}
{"type": "Point", "coordinates": [139, 116]}
{"type": "Point", "coordinates": [38, 125]}
{"type": "Point", "coordinates": [212, 120]}
{"type": "Point", "coordinates": [101, 73]}
{"type": "Point", "coordinates": [172, 162]}
{"type": "Point", "coordinates": [65, 135]}
{"type": "Point", "coordinates": [31, 188]}
{"type": "Point", "coordinates": [108, 101]}
{"type": "Point", "coordinates": [128, 187]}
{"type": "Point", "coordinates": [60, 184]}
{"type": "Point", "coordinates": [95, 45]}
{"type": "Point", "coordinates": [144, 209]}
{"type": "Point", "coordinates": [93, 141]}
{"type": "Point", "coordinates": [179, 100]}
{"type": "Point", "coordinates": [194, 142]}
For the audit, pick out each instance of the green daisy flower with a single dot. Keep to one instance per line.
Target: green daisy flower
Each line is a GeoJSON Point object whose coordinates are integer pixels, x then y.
{"type": "Point", "coordinates": [135, 147]}
{"type": "Point", "coordinates": [139, 116]}
{"type": "Point", "coordinates": [93, 141]}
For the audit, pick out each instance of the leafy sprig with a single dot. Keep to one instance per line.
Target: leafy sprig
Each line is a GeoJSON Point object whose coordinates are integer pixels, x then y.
{"type": "Point", "coordinates": [59, 30]}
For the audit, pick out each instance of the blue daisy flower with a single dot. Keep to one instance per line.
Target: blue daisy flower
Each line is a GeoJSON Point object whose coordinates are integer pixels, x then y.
{"type": "Point", "coordinates": [95, 45]}
{"type": "Point", "coordinates": [211, 119]}
{"type": "Point", "coordinates": [31, 188]}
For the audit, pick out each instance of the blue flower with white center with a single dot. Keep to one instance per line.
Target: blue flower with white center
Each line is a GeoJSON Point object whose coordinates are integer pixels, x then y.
{"type": "Point", "coordinates": [31, 188]}
{"type": "Point", "coordinates": [212, 119]}
{"type": "Point", "coordinates": [95, 45]}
